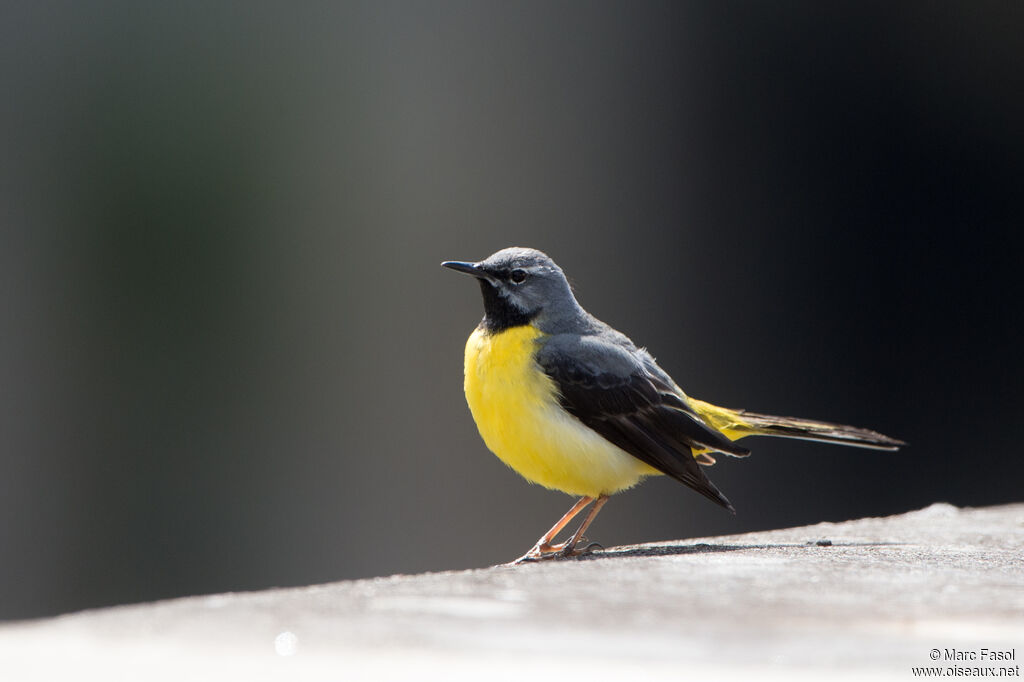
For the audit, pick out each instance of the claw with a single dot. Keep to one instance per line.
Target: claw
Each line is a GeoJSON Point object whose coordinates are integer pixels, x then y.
{"type": "Point", "coordinates": [544, 550]}
{"type": "Point", "coordinates": [580, 551]}
{"type": "Point", "coordinates": [540, 553]}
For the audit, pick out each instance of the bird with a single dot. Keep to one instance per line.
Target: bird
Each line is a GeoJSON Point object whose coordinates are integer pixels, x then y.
{"type": "Point", "coordinates": [574, 405]}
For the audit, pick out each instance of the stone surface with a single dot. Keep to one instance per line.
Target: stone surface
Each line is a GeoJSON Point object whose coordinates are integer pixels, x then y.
{"type": "Point", "coordinates": [846, 600]}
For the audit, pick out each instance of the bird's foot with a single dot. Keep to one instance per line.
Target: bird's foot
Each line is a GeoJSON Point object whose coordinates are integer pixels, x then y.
{"type": "Point", "coordinates": [589, 549]}
{"type": "Point", "coordinates": [540, 552]}
{"type": "Point", "coordinates": [580, 551]}
{"type": "Point", "coordinates": [548, 552]}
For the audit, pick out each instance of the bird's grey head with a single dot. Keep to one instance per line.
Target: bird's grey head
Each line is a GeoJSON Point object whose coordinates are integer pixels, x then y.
{"type": "Point", "coordinates": [522, 286]}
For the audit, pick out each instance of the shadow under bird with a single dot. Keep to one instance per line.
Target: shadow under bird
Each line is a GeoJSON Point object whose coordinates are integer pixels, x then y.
{"type": "Point", "coordinates": [574, 405]}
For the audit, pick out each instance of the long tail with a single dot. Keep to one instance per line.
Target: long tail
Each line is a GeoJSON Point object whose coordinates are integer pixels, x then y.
{"type": "Point", "coordinates": [739, 423]}
{"type": "Point", "coordinates": [824, 432]}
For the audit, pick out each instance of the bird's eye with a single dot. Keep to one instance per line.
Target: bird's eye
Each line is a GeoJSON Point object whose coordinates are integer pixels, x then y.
{"type": "Point", "coordinates": [517, 276]}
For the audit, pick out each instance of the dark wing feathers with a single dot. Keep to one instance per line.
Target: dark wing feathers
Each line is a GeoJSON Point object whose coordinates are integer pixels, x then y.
{"type": "Point", "coordinates": [607, 388]}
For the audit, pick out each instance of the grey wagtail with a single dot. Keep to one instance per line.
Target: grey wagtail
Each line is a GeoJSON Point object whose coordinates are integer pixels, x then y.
{"type": "Point", "coordinates": [574, 405]}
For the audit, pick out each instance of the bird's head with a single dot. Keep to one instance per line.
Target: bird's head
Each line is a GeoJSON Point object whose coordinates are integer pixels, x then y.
{"type": "Point", "coordinates": [520, 286]}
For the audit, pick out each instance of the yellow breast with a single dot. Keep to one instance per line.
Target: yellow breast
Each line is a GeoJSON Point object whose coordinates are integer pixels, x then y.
{"type": "Point", "coordinates": [515, 406]}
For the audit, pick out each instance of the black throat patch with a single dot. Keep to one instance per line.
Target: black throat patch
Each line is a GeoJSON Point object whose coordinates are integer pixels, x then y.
{"type": "Point", "coordinates": [499, 313]}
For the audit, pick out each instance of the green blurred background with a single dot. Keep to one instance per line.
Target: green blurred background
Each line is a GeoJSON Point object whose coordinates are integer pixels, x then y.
{"type": "Point", "coordinates": [229, 359]}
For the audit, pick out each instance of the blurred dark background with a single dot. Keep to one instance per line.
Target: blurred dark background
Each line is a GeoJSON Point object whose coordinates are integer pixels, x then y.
{"type": "Point", "coordinates": [229, 359]}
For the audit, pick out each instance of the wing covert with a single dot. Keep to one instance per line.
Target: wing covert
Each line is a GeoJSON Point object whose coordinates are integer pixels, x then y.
{"type": "Point", "coordinates": [607, 388]}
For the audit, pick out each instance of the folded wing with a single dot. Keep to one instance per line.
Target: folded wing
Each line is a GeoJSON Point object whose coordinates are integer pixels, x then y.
{"type": "Point", "coordinates": [607, 387]}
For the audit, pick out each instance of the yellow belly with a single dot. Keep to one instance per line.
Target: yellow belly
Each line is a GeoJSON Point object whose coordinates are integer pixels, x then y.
{"type": "Point", "coordinates": [515, 406]}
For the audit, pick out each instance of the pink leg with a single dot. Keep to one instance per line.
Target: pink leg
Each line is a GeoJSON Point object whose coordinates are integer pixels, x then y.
{"type": "Point", "coordinates": [569, 549]}
{"type": "Point", "coordinates": [545, 550]}
{"type": "Point", "coordinates": [544, 546]}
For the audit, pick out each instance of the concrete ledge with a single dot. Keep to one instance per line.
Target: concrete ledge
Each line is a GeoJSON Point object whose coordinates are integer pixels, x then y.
{"type": "Point", "coordinates": [845, 600]}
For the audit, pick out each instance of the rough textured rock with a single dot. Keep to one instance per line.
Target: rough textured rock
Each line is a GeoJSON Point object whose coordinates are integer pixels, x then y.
{"type": "Point", "coordinates": [866, 597]}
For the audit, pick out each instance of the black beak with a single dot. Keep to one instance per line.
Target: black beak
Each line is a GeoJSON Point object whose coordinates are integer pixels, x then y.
{"type": "Point", "coordinates": [472, 269]}
{"type": "Point", "coordinates": [468, 268]}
